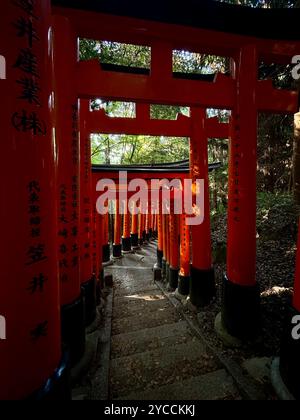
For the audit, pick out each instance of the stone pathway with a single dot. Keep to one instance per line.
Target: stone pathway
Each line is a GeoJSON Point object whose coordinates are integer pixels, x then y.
{"type": "Point", "coordinates": [154, 354]}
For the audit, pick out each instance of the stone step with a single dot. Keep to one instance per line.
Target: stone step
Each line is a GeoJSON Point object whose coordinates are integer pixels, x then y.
{"type": "Point", "coordinates": [216, 385]}
{"type": "Point", "coordinates": [159, 367]}
{"type": "Point", "coordinates": [134, 288]}
{"type": "Point", "coordinates": [139, 307]}
{"type": "Point", "coordinates": [167, 315]}
{"type": "Point", "coordinates": [143, 257]}
{"type": "Point", "coordinates": [129, 281]}
{"type": "Point", "coordinates": [139, 299]}
{"type": "Point", "coordinates": [150, 339]}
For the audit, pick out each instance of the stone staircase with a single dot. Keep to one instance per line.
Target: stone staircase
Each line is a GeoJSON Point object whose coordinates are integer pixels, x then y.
{"type": "Point", "coordinates": [154, 354]}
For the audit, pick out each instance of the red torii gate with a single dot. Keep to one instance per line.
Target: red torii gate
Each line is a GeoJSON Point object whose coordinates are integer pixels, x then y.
{"type": "Point", "coordinates": [29, 263]}
{"type": "Point", "coordinates": [202, 287]}
{"type": "Point", "coordinates": [241, 92]}
{"type": "Point", "coordinates": [252, 96]}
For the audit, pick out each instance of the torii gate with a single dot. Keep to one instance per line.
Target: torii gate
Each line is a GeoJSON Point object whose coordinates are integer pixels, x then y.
{"type": "Point", "coordinates": [201, 291]}
{"type": "Point", "coordinates": [34, 130]}
{"type": "Point", "coordinates": [241, 92]}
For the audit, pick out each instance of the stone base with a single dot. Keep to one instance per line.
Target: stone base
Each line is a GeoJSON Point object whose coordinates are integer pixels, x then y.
{"type": "Point", "coordinates": [179, 296]}
{"type": "Point", "coordinates": [279, 386]}
{"type": "Point", "coordinates": [90, 298]}
{"type": "Point", "coordinates": [108, 263]}
{"type": "Point", "coordinates": [202, 287]}
{"type": "Point", "coordinates": [227, 339]}
{"type": "Point", "coordinates": [73, 329]}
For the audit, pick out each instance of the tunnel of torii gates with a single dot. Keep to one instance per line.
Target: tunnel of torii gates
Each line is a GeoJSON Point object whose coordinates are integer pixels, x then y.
{"type": "Point", "coordinates": [54, 243]}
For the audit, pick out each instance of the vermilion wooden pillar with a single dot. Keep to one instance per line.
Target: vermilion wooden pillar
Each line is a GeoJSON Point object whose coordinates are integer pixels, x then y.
{"type": "Point", "coordinates": [289, 367]}
{"type": "Point", "coordinates": [30, 354]}
{"type": "Point", "coordinates": [164, 241]}
{"type": "Point", "coordinates": [88, 250]}
{"type": "Point", "coordinates": [126, 240]}
{"type": "Point", "coordinates": [185, 258]}
{"type": "Point", "coordinates": [68, 186]}
{"type": "Point", "coordinates": [117, 247]}
{"type": "Point", "coordinates": [241, 301]}
{"type": "Point", "coordinates": [99, 270]}
{"type": "Point", "coordinates": [155, 222]}
{"type": "Point", "coordinates": [202, 285]}
{"type": "Point", "coordinates": [167, 248]}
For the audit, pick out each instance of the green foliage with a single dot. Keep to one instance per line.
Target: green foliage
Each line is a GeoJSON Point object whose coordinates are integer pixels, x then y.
{"type": "Point", "coordinates": [189, 62]}
{"type": "Point", "coordinates": [130, 150]}
{"type": "Point", "coordinates": [279, 207]}
{"type": "Point", "coordinates": [275, 131]}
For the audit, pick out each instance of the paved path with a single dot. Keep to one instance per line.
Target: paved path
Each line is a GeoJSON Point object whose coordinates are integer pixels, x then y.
{"type": "Point", "coordinates": [154, 354]}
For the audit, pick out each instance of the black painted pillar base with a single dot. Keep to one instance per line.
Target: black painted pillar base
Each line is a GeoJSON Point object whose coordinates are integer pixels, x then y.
{"type": "Point", "coordinates": [106, 253]}
{"type": "Point", "coordinates": [173, 278]}
{"type": "Point", "coordinates": [141, 242]}
{"type": "Point", "coordinates": [167, 279]}
{"type": "Point", "coordinates": [290, 352]}
{"type": "Point", "coordinates": [134, 240]}
{"type": "Point", "coordinates": [159, 258]}
{"type": "Point", "coordinates": [126, 244]}
{"type": "Point", "coordinates": [241, 315]}
{"type": "Point", "coordinates": [73, 329]}
{"type": "Point", "coordinates": [57, 387]}
{"type": "Point", "coordinates": [202, 287]}
{"type": "Point", "coordinates": [184, 285]}
{"type": "Point", "coordinates": [150, 233]}
{"type": "Point", "coordinates": [163, 268]}
{"type": "Point", "coordinates": [117, 251]}
{"type": "Point", "coordinates": [89, 290]}
{"type": "Point", "coordinates": [155, 234]}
